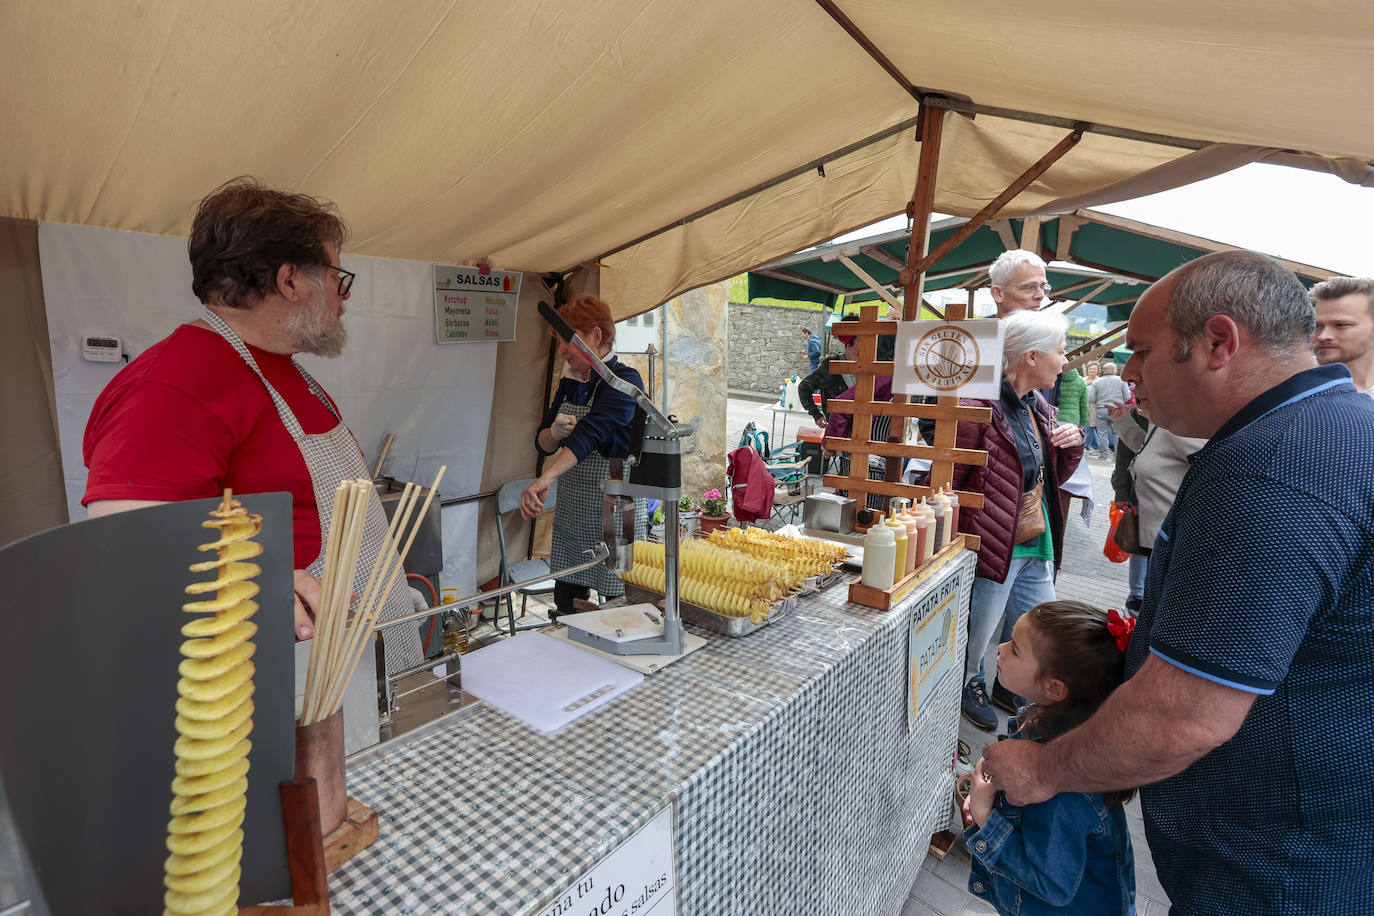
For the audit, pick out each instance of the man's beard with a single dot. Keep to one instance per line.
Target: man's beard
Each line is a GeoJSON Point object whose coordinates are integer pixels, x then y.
{"type": "Point", "coordinates": [314, 329]}
{"type": "Point", "coordinates": [1342, 354]}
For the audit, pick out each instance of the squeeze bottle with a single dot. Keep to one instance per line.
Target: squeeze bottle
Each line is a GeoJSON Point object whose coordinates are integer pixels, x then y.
{"type": "Point", "coordinates": [953, 498]}
{"type": "Point", "coordinates": [937, 540]}
{"type": "Point", "coordinates": [880, 551]}
{"type": "Point", "coordinates": [922, 542]}
{"type": "Point", "coordinates": [913, 539]}
{"type": "Point", "coordinates": [943, 502]}
{"type": "Point", "coordinates": [902, 543]}
{"type": "Point", "coordinates": [928, 532]}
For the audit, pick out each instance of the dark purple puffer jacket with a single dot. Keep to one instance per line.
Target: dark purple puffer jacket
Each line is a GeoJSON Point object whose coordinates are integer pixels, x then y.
{"type": "Point", "coordinates": [1000, 483]}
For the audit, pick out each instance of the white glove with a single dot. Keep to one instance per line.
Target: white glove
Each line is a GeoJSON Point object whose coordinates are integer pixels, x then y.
{"type": "Point", "coordinates": [562, 426]}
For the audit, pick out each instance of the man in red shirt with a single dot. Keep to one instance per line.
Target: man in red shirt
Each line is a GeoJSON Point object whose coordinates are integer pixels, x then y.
{"type": "Point", "coordinates": [220, 402]}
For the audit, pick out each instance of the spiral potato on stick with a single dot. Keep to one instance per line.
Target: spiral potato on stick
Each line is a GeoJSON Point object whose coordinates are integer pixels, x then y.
{"type": "Point", "coordinates": [214, 719]}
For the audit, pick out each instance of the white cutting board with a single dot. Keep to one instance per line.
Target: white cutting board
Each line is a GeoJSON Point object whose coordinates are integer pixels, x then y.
{"type": "Point", "coordinates": [542, 681]}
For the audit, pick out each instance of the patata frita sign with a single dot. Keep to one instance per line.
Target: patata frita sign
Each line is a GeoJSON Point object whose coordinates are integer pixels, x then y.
{"type": "Point", "coordinates": [473, 306]}
{"type": "Point", "coordinates": [949, 358]}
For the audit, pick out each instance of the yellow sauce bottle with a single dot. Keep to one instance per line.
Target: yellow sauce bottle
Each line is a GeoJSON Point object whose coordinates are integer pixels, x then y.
{"type": "Point", "coordinates": [899, 534]}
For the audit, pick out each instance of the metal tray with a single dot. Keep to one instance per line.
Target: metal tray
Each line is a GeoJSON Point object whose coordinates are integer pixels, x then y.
{"type": "Point", "coordinates": [710, 620]}
{"type": "Point", "coordinates": [816, 584]}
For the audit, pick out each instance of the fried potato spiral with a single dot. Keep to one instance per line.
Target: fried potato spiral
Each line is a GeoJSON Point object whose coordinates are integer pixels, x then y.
{"type": "Point", "coordinates": [214, 719]}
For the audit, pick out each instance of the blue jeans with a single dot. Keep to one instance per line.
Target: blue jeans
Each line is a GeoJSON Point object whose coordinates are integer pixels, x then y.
{"type": "Point", "coordinates": [1029, 582]}
{"type": "Point", "coordinates": [1090, 438]}
{"type": "Point", "coordinates": [1135, 570]}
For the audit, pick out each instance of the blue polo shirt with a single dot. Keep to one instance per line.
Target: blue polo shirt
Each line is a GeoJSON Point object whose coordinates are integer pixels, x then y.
{"type": "Point", "coordinates": [1262, 579]}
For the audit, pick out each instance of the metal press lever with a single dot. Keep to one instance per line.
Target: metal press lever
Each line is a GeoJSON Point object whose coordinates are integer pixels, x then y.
{"type": "Point", "coordinates": [656, 473]}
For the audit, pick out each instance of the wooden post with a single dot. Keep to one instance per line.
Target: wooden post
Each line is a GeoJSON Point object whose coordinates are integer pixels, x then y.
{"type": "Point", "coordinates": [300, 808]}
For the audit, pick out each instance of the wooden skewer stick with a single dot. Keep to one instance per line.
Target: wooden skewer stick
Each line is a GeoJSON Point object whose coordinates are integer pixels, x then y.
{"type": "Point", "coordinates": [345, 540]}
{"type": "Point", "coordinates": [369, 622]}
{"type": "Point", "coordinates": [335, 683]}
{"type": "Point", "coordinates": [317, 646]}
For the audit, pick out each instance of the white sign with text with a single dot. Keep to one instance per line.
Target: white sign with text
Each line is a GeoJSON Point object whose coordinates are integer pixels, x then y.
{"type": "Point", "coordinates": [960, 359]}
{"type": "Point", "coordinates": [470, 305]}
{"type": "Point", "coordinates": [930, 645]}
{"type": "Point", "coordinates": [638, 878]}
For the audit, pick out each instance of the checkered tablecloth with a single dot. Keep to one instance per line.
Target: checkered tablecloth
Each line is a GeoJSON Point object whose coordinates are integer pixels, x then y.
{"type": "Point", "coordinates": [797, 785]}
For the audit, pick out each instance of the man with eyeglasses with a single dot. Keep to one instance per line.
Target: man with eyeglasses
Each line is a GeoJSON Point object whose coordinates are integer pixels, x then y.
{"type": "Point", "coordinates": [222, 403]}
{"type": "Point", "coordinates": [1018, 281]}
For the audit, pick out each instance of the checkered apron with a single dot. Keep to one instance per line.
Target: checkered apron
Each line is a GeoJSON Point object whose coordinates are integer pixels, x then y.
{"type": "Point", "coordinates": [577, 517]}
{"type": "Point", "coordinates": [331, 458]}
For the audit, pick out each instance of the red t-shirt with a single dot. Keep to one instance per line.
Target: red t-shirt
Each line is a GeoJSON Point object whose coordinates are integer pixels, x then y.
{"type": "Point", "coordinates": [188, 418]}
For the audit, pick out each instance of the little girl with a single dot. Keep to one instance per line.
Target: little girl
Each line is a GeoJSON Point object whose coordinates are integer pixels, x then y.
{"type": "Point", "coordinates": [1071, 854]}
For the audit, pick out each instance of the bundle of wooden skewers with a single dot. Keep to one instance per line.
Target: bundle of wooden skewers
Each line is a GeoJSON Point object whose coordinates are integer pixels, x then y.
{"type": "Point", "coordinates": [339, 640]}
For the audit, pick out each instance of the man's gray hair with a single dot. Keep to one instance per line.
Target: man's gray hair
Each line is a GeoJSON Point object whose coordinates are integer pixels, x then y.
{"type": "Point", "coordinates": [1339, 287]}
{"type": "Point", "coordinates": [1028, 330]}
{"type": "Point", "coordinates": [1259, 293]}
{"type": "Point", "coordinates": [1001, 270]}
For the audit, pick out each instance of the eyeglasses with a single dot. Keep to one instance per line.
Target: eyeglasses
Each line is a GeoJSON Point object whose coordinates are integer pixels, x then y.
{"type": "Point", "coordinates": [1030, 289]}
{"type": "Point", "coordinates": [345, 279]}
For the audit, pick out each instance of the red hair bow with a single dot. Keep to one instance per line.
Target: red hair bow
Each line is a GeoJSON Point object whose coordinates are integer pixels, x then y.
{"type": "Point", "coordinates": [1121, 628]}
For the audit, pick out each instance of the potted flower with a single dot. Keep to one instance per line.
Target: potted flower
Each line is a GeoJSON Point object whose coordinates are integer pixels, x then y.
{"type": "Point", "coordinates": [712, 512]}
{"type": "Point", "coordinates": [687, 516]}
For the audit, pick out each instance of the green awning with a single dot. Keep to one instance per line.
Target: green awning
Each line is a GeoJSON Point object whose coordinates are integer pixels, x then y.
{"type": "Point", "coordinates": [1086, 249]}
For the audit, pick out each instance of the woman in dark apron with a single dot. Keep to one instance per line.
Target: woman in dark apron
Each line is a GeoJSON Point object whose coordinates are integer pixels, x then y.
{"type": "Point", "coordinates": [586, 426]}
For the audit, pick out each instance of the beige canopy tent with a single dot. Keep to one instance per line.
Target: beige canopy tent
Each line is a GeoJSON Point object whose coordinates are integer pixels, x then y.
{"type": "Point", "coordinates": [545, 136]}
{"type": "Point", "coordinates": [671, 143]}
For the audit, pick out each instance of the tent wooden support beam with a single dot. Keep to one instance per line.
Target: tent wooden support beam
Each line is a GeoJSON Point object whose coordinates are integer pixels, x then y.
{"type": "Point", "coordinates": [1097, 351]}
{"type": "Point", "coordinates": [1193, 241]}
{"type": "Point", "coordinates": [870, 282]}
{"type": "Point", "coordinates": [879, 254]}
{"type": "Point", "coordinates": [1003, 229]}
{"type": "Point", "coordinates": [1085, 299]}
{"type": "Point", "coordinates": [1001, 200]}
{"type": "Point", "coordinates": [1107, 130]}
{"type": "Point", "coordinates": [1113, 331]}
{"type": "Point", "coordinates": [867, 44]}
{"type": "Point", "coordinates": [811, 166]}
{"type": "Point", "coordinates": [792, 277]}
{"type": "Point", "coordinates": [1030, 234]}
{"type": "Point", "coordinates": [974, 281]}
{"type": "Point", "coordinates": [1068, 225]}
{"type": "Point", "coordinates": [1065, 292]}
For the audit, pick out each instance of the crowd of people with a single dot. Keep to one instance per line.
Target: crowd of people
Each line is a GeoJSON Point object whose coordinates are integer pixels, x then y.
{"type": "Point", "coordinates": [1242, 427]}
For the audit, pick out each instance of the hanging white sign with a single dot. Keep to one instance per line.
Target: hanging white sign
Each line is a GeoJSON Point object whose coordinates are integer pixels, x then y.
{"type": "Point", "coordinates": [949, 358]}
{"type": "Point", "coordinates": [470, 305]}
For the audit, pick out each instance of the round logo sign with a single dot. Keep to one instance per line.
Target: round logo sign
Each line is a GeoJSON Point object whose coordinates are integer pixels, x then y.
{"type": "Point", "coordinates": [946, 358]}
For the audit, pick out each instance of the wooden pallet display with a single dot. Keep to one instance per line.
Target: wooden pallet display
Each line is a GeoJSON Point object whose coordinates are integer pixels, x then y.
{"type": "Point", "coordinates": [946, 413]}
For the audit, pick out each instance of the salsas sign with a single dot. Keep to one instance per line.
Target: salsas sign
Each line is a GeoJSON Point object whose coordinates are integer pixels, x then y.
{"type": "Point", "coordinates": [470, 305]}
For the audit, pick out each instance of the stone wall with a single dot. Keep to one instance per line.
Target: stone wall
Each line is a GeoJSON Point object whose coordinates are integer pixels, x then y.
{"type": "Point", "coordinates": [693, 381]}
{"type": "Point", "coordinates": [766, 345]}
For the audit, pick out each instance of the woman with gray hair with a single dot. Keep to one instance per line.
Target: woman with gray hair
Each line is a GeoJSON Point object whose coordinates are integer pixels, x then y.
{"type": "Point", "coordinates": [1021, 522]}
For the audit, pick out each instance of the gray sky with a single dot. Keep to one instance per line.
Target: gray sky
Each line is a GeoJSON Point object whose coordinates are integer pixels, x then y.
{"type": "Point", "coordinates": [1291, 213]}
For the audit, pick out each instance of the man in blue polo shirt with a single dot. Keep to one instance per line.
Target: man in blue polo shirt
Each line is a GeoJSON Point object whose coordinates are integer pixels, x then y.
{"type": "Point", "coordinates": [1247, 714]}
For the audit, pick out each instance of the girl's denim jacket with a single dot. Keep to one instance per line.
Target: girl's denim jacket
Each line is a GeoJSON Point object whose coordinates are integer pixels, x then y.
{"type": "Point", "coordinates": [1071, 854]}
